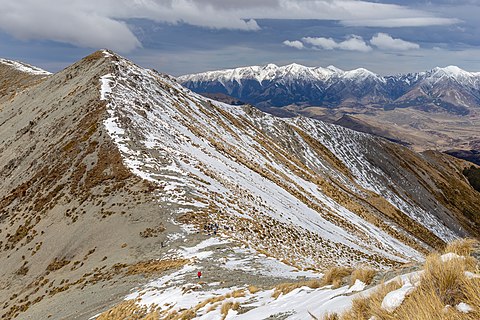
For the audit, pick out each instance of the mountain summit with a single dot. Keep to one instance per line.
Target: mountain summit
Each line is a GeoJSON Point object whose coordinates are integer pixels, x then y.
{"type": "Point", "coordinates": [109, 169]}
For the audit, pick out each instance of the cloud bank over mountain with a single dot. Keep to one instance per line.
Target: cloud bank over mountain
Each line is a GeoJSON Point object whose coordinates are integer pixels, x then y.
{"type": "Point", "coordinates": [89, 23]}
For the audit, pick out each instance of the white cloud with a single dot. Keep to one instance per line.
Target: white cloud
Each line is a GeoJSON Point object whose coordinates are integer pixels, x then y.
{"type": "Point", "coordinates": [294, 44]}
{"type": "Point", "coordinates": [98, 23]}
{"type": "Point", "coordinates": [386, 42]}
{"type": "Point", "coordinates": [34, 20]}
{"type": "Point", "coordinates": [353, 43]}
{"type": "Point", "coordinates": [324, 43]}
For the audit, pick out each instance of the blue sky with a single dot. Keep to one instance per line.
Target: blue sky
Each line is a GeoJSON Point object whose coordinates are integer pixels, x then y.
{"type": "Point", "coordinates": [187, 36]}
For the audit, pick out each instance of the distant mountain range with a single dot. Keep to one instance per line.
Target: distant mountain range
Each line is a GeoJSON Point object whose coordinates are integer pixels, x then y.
{"type": "Point", "coordinates": [449, 89]}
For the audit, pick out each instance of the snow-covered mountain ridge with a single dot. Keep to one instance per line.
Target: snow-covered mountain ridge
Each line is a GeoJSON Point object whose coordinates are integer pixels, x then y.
{"type": "Point", "coordinates": [300, 177]}
{"type": "Point", "coordinates": [273, 86]}
{"type": "Point", "coordinates": [16, 76]}
{"type": "Point", "coordinates": [24, 67]}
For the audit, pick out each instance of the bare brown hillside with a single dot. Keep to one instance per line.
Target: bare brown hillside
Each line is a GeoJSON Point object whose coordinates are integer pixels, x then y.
{"type": "Point", "coordinates": [72, 215]}
{"type": "Point", "coordinates": [13, 80]}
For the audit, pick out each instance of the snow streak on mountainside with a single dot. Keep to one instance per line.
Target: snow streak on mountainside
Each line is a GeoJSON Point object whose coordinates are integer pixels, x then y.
{"type": "Point", "coordinates": [17, 76]}
{"type": "Point", "coordinates": [300, 189]}
{"type": "Point", "coordinates": [23, 67]}
{"type": "Point", "coordinates": [450, 88]}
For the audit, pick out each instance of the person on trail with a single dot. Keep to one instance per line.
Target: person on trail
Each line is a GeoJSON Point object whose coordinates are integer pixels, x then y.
{"type": "Point", "coordinates": [199, 274]}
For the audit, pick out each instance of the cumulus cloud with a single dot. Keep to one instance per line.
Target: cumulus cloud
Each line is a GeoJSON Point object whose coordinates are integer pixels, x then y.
{"type": "Point", "coordinates": [355, 43]}
{"type": "Point", "coordinates": [294, 44]}
{"type": "Point", "coordinates": [385, 42]}
{"type": "Point", "coordinates": [352, 43]}
{"type": "Point", "coordinates": [94, 23]}
{"type": "Point", "coordinates": [31, 20]}
{"type": "Point", "coordinates": [321, 42]}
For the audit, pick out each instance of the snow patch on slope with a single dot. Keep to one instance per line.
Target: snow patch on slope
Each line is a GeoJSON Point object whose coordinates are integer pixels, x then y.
{"type": "Point", "coordinates": [23, 67]}
{"type": "Point", "coordinates": [395, 298]}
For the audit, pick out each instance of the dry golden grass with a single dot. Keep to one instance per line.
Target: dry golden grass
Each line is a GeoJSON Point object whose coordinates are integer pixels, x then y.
{"type": "Point", "coordinates": [442, 286]}
{"type": "Point", "coordinates": [214, 301]}
{"type": "Point", "coordinates": [462, 247]}
{"type": "Point", "coordinates": [238, 293]}
{"type": "Point", "coordinates": [183, 315]}
{"type": "Point", "coordinates": [285, 288]}
{"type": "Point", "coordinates": [366, 307]}
{"type": "Point", "coordinates": [253, 289]}
{"type": "Point", "coordinates": [329, 316]}
{"type": "Point", "coordinates": [211, 300]}
{"type": "Point", "coordinates": [129, 309]}
{"type": "Point", "coordinates": [363, 274]}
{"type": "Point", "coordinates": [445, 278]}
{"type": "Point", "coordinates": [335, 276]}
{"type": "Point", "coordinates": [177, 315]}
{"type": "Point", "coordinates": [227, 306]}
{"type": "Point", "coordinates": [472, 294]}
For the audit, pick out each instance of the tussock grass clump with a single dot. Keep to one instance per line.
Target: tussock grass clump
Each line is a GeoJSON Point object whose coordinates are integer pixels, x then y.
{"type": "Point", "coordinates": [366, 307]}
{"type": "Point", "coordinates": [252, 289]}
{"type": "Point", "coordinates": [445, 278]}
{"type": "Point", "coordinates": [183, 315]}
{"type": "Point", "coordinates": [472, 293]}
{"type": "Point", "coordinates": [462, 247]}
{"type": "Point", "coordinates": [57, 264]}
{"type": "Point", "coordinates": [226, 306]}
{"type": "Point", "coordinates": [285, 288]}
{"type": "Point", "coordinates": [329, 316]}
{"type": "Point", "coordinates": [211, 300]}
{"type": "Point", "coordinates": [238, 293]}
{"type": "Point", "coordinates": [443, 285]}
{"type": "Point", "coordinates": [335, 276]}
{"type": "Point", "coordinates": [363, 274]}
{"type": "Point", "coordinates": [129, 309]}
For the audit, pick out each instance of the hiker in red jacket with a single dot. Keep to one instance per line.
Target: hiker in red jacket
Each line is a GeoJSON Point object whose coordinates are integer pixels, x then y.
{"type": "Point", "coordinates": [199, 274]}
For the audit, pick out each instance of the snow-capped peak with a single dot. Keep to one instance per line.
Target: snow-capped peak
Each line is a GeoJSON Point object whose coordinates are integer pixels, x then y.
{"type": "Point", "coordinates": [452, 72]}
{"type": "Point", "coordinates": [462, 77]}
{"type": "Point", "coordinates": [270, 66]}
{"type": "Point", "coordinates": [296, 67]}
{"type": "Point", "coordinates": [359, 73]}
{"type": "Point", "coordinates": [335, 69]}
{"type": "Point", "coordinates": [23, 67]}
